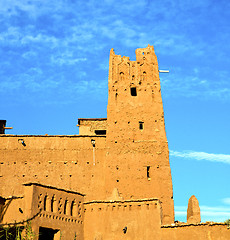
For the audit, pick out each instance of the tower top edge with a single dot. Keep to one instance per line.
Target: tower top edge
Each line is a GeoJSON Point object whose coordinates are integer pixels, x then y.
{"type": "Point", "coordinates": [141, 53]}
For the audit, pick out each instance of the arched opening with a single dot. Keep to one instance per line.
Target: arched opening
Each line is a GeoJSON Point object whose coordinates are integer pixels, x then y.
{"type": "Point", "coordinates": [66, 206]}
{"type": "Point", "coordinates": [46, 206]}
{"type": "Point", "coordinates": [144, 76]}
{"type": "Point", "coordinates": [122, 75]}
{"type": "Point", "coordinates": [73, 209]}
{"type": "Point", "coordinates": [53, 204]}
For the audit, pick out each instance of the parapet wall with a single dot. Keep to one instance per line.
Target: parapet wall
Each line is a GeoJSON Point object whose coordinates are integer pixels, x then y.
{"type": "Point", "coordinates": [68, 162]}
{"type": "Point", "coordinates": [210, 231]}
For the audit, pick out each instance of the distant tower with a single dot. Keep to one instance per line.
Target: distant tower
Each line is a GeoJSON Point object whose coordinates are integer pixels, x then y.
{"type": "Point", "coordinates": [193, 211]}
{"type": "Point", "coordinates": [137, 149]}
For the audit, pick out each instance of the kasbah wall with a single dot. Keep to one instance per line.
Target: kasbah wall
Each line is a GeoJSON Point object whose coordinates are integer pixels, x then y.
{"type": "Point", "coordinates": [112, 181]}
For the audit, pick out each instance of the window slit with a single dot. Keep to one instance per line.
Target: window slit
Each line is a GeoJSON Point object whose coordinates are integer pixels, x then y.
{"type": "Point", "coordinates": [148, 172]}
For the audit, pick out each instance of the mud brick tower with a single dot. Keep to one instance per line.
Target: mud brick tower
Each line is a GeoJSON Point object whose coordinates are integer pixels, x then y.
{"type": "Point", "coordinates": [137, 148]}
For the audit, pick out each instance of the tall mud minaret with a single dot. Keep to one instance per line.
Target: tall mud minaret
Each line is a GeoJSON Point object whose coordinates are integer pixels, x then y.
{"type": "Point", "coordinates": [137, 162]}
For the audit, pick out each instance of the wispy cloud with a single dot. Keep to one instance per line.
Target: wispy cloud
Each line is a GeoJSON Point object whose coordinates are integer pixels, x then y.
{"type": "Point", "coordinates": [226, 201]}
{"type": "Point", "coordinates": [217, 213]}
{"type": "Point", "coordinates": [74, 37]}
{"type": "Point", "coordinates": [202, 156]}
{"type": "Point", "coordinates": [196, 83]}
{"type": "Point", "coordinates": [62, 60]}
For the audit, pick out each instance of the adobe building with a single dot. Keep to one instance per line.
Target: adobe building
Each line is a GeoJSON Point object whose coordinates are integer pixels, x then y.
{"type": "Point", "coordinates": [112, 181]}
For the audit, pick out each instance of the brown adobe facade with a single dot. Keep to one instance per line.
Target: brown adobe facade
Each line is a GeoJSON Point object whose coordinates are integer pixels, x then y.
{"type": "Point", "coordinates": [112, 181]}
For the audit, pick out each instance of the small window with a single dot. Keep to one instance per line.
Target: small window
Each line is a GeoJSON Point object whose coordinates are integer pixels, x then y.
{"type": "Point", "coordinates": [148, 172]}
{"type": "Point", "coordinates": [122, 76]}
{"type": "Point", "coordinates": [100, 132]}
{"type": "Point", "coordinates": [133, 91]}
{"type": "Point", "coordinates": [141, 125]}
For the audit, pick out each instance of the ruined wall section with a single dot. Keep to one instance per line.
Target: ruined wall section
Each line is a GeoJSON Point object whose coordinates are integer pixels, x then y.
{"type": "Point", "coordinates": [137, 148]}
{"type": "Point", "coordinates": [68, 162]}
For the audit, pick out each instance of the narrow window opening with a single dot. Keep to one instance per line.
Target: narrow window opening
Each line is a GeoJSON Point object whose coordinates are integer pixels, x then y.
{"type": "Point", "coordinates": [52, 204]}
{"type": "Point", "coordinates": [144, 76]}
{"type": "Point", "coordinates": [141, 125]}
{"type": "Point", "coordinates": [100, 132]}
{"type": "Point", "coordinates": [45, 203]}
{"type": "Point", "coordinates": [133, 91]}
{"type": "Point", "coordinates": [72, 208]}
{"type": "Point", "coordinates": [121, 76]}
{"type": "Point", "coordinates": [65, 206]}
{"type": "Point", "coordinates": [148, 172]}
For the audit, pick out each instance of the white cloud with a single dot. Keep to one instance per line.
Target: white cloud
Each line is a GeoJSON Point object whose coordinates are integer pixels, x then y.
{"type": "Point", "coordinates": [218, 213]}
{"type": "Point", "coordinates": [39, 38]}
{"type": "Point", "coordinates": [193, 84]}
{"type": "Point", "coordinates": [66, 61]}
{"type": "Point", "coordinates": [200, 156]}
{"type": "Point", "coordinates": [51, 29]}
{"type": "Point", "coordinates": [29, 54]}
{"type": "Point", "coordinates": [226, 201]}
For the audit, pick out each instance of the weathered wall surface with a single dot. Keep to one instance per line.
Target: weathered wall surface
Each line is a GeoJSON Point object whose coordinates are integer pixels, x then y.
{"type": "Point", "coordinates": [13, 211]}
{"type": "Point", "coordinates": [137, 148]}
{"type": "Point", "coordinates": [108, 220]}
{"type": "Point", "coordinates": [68, 162]}
{"type": "Point", "coordinates": [213, 231]}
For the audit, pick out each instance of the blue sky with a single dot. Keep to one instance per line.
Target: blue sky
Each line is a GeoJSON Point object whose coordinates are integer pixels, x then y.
{"type": "Point", "coordinates": [54, 68]}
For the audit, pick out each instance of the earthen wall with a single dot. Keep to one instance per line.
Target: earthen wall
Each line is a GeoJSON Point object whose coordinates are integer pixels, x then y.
{"type": "Point", "coordinates": [68, 162]}
{"type": "Point", "coordinates": [122, 220]}
{"type": "Point", "coordinates": [209, 231]}
{"type": "Point", "coordinates": [13, 209]}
